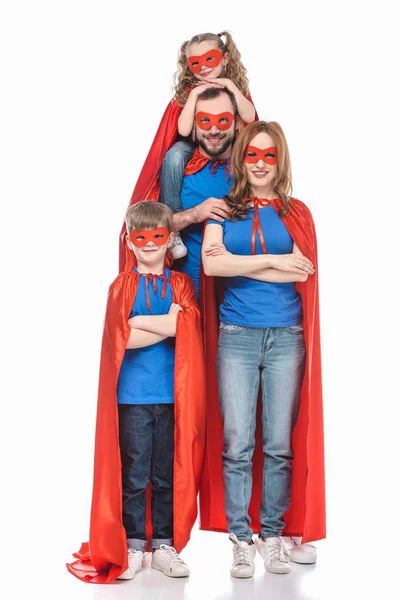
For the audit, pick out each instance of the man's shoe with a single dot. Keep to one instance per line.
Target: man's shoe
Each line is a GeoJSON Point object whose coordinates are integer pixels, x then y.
{"type": "Point", "coordinates": [167, 560]}
{"type": "Point", "coordinates": [243, 558]}
{"type": "Point", "coordinates": [178, 248]}
{"type": "Point", "coordinates": [305, 554]}
{"type": "Point", "coordinates": [271, 550]}
{"type": "Point", "coordinates": [135, 563]}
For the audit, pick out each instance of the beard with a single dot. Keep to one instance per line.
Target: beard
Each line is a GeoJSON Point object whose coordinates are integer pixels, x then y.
{"type": "Point", "coordinates": [227, 140]}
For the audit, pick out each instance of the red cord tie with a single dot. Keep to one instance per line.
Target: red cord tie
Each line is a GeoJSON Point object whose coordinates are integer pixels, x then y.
{"type": "Point", "coordinates": [153, 278]}
{"type": "Point", "coordinates": [213, 167]}
{"type": "Point", "coordinates": [256, 223]}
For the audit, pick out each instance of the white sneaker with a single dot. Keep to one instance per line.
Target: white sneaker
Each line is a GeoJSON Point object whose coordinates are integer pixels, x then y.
{"type": "Point", "coordinates": [272, 553]}
{"type": "Point", "coordinates": [135, 563]}
{"type": "Point", "coordinates": [305, 554]}
{"type": "Point", "coordinates": [243, 558]}
{"type": "Point", "coordinates": [178, 248]}
{"type": "Point", "coordinates": [167, 560]}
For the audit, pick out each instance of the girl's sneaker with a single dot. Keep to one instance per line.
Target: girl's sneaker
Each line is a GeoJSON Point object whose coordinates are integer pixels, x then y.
{"type": "Point", "coordinates": [178, 248]}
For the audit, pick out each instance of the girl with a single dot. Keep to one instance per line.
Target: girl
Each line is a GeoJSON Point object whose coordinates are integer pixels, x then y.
{"type": "Point", "coordinates": [268, 317]}
{"type": "Point", "coordinates": [207, 60]}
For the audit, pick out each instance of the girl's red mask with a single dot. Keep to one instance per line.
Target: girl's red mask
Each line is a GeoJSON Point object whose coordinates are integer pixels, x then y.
{"type": "Point", "coordinates": [210, 59]}
{"type": "Point", "coordinates": [140, 237]}
{"type": "Point", "coordinates": [222, 121]}
{"type": "Point", "coordinates": [254, 154]}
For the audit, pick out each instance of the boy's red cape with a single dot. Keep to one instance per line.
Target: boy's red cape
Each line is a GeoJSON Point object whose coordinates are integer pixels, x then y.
{"type": "Point", "coordinates": [147, 186]}
{"type": "Point", "coordinates": [306, 516]}
{"type": "Point", "coordinates": [104, 558]}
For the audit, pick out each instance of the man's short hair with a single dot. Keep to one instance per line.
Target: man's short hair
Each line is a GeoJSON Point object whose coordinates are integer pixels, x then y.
{"type": "Point", "coordinates": [211, 93]}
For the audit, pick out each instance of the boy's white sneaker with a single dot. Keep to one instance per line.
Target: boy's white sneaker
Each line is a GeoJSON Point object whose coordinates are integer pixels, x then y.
{"type": "Point", "coordinates": [167, 560]}
{"type": "Point", "coordinates": [178, 248]}
{"type": "Point", "coordinates": [271, 551]}
{"type": "Point", "coordinates": [305, 554]}
{"type": "Point", "coordinates": [135, 563]}
{"type": "Point", "coordinates": [243, 558]}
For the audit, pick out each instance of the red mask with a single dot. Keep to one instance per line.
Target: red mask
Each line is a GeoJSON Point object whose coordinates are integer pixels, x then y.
{"type": "Point", "coordinates": [210, 59]}
{"type": "Point", "coordinates": [254, 154]}
{"type": "Point", "coordinates": [222, 121]}
{"type": "Point", "coordinates": [140, 237]}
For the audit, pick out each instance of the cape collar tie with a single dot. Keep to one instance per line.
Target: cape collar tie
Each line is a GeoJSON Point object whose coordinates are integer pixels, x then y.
{"type": "Point", "coordinates": [198, 161]}
{"type": "Point", "coordinates": [149, 277]}
{"type": "Point", "coordinates": [256, 223]}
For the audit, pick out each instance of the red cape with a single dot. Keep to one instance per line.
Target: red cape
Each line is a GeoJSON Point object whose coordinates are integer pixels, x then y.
{"type": "Point", "coordinates": [104, 558]}
{"type": "Point", "coordinates": [306, 516]}
{"type": "Point", "coordinates": [147, 186]}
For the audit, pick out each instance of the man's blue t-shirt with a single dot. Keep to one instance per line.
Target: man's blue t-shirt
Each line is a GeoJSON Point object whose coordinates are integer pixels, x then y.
{"type": "Point", "coordinates": [195, 189]}
{"type": "Point", "coordinates": [252, 303]}
{"type": "Point", "coordinates": [147, 374]}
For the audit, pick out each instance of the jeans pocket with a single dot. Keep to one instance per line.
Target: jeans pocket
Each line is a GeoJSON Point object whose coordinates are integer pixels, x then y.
{"type": "Point", "coordinates": [226, 328]}
{"type": "Point", "coordinates": [295, 329]}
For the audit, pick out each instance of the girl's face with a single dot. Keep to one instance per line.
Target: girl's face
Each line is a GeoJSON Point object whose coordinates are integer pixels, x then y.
{"type": "Point", "coordinates": [210, 69]}
{"type": "Point", "coordinates": [261, 173]}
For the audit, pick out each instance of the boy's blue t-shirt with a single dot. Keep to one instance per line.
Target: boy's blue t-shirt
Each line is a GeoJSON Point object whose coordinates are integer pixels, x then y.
{"type": "Point", "coordinates": [252, 303]}
{"type": "Point", "coordinates": [147, 374]}
{"type": "Point", "coordinates": [195, 189]}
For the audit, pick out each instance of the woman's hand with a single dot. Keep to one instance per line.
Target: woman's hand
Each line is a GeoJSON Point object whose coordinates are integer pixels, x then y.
{"type": "Point", "coordinates": [216, 249]}
{"type": "Point", "coordinates": [174, 309]}
{"type": "Point", "coordinates": [296, 263]}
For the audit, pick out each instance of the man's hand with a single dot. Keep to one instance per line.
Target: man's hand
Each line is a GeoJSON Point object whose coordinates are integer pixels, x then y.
{"type": "Point", "coordinates": [212, 208]}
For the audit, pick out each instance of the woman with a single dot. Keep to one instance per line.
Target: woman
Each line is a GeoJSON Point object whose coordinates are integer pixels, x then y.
{"type": "Point", "coordinates": [267, 257]}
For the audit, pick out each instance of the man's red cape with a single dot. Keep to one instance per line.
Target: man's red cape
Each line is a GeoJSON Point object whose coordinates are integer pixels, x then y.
{"type": "Point", "coordinates": [147, 186]}
{"type": "Point", "coordinates": [104, 558]}
{"type": "Point", "coordinates": [306, 516]}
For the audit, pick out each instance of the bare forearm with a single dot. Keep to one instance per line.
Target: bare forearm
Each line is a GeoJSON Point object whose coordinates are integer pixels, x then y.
{"type": "Point", "coordinates": [185, 121]}
{"type": "Point", "coordinates": [276, 276]}
{"type": "Point", "coordinates": [163, 325]}
{"type": "Point", "coordinates": [138, 338]}
{"type": "Point", "coordinates": [233, 265]}
{"type": "Point", "coordinates": [184, 218]}
{"type": "Point", "coordinates": [246, 109]}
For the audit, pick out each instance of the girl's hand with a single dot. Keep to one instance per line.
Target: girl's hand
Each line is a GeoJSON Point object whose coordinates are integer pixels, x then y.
{"type": "Point", "coordinates": [201, 87]}
{"type": "Point", "coordinates": [216, 249]}
{"type": "Point", "coordinates": [174, 309]}
{"type": "Point", "coordinates": [223, 82]}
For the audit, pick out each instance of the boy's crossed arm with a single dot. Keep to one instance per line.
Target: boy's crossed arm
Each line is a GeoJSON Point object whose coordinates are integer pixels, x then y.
{"type": "Point", "coordinates": [147, 330]}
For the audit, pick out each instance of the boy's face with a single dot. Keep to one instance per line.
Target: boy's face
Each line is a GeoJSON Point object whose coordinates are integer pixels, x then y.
{"type": "Point", "coordinates": [150, 245]}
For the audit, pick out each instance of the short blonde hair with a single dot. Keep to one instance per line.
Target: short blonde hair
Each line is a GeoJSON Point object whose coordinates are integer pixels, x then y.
{"type": "Point", "coordinates": [148, 214]}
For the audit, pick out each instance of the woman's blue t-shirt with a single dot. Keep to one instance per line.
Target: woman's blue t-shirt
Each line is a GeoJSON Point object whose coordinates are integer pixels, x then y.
{"type": "Point", "coordinates": [252, 303]}
{"type": "Point", "coordinates": [147, 374]}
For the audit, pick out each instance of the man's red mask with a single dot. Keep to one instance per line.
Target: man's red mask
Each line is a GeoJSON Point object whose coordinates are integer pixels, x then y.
{"type": "Point", "coordinates": [140, 237]}
{"type": "Point", "coordinates": [222, 121]}
{"type": "Point", "coordinates": [210, 59]}
{"type": "Point", "coordinates": [254, 154]}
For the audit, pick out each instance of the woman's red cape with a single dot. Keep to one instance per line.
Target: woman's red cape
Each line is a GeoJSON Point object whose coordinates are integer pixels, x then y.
{"type": "Point", "coordinates": [306, 516]}
{"type": "Point", "coordinates": [104, 558]}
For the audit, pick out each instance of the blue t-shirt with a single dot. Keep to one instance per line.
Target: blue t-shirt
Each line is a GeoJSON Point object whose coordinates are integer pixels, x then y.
{"type": "Point", "coordinates": [147, 374]}
{"type": "Point", "coordinates": [252, 303]}
{"type": "Point", "coordinates": [195, 189]}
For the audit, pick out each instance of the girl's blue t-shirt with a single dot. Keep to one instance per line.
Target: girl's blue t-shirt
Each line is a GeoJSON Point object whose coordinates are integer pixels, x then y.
{"type": "Point", "coordinates": [252, 303]}
{"type": "Point", "coordinates": [147, 374]}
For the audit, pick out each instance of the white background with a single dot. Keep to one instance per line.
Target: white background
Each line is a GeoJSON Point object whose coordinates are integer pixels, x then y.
{"type": "Point", "coordinates": [84, 85]}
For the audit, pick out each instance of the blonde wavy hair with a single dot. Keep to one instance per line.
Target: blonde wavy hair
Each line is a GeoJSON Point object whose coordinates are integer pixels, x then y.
{"type": "Point", "coordinates": [184, 79]}
{"type": "Point", "coordinates": [241, 188]}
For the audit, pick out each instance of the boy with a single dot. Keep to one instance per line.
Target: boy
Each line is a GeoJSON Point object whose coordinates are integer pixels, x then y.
{"type": "Point", "coordinates": [151, 400]}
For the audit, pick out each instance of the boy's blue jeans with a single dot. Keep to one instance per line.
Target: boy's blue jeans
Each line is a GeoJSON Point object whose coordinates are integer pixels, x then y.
{"type": "Point", "coordinates": [146, 438]}
{"type": "Point", "coordinates": [171, 174]}
{"type": "Point", "coordinates": [247, 356]}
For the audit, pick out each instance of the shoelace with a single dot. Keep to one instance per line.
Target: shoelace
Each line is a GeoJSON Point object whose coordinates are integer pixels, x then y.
{"type": "Point", "coordinates": [242, 554]}
{"type": "Point", "coordinates": [275, 551]}
{"type": "Point", "coordinates": [170, 554]}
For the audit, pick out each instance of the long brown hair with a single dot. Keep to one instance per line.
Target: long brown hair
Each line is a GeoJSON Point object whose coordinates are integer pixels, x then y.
{"type": "Point", "coordinates": [241, 188]}
{"type": "Point", "coordinates": [234, 70]}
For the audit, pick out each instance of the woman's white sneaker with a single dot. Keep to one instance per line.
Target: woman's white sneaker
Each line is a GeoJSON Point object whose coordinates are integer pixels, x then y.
{"type": "Point", "coordinates": [243, 558]}
{"type": "Point", "coordinates": [135, 563]}
{"type": "Point", "coordinates": [305, 554]}
{"type": "Point", "coordinates": [271, 550]}
{"type": "Point", "coordinates": [178, 248]}
{"type": "Point", "coordinates": [167, 560]}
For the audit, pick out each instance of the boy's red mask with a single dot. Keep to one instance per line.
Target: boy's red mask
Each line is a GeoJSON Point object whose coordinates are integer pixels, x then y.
{"type": "Point", "coordinates": [222, 121]}
{"type": "Point", "coordinates": [210, 59]}
{"type": "Point", "coordinates": [140, 237]}
{"type": "Point", "coordinates": [268, 155]}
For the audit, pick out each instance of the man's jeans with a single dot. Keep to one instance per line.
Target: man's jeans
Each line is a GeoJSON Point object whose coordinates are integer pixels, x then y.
{"type": "Point", "coordinates": [171, 174]}
{"type": "Point", "coordinates": [245, 355]}
{"type": "Point", "coordinates": [146, 438]}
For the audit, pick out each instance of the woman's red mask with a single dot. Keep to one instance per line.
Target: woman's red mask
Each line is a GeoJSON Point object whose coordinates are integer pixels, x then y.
{"type": "Point", "coordinates": [141, 237]}
{"type": "Point", "coordinates": [222, 121]}
{"type": "Point", "coordinates": [254, 154]}
{"type": "Point", "coordinates": [210, 59]}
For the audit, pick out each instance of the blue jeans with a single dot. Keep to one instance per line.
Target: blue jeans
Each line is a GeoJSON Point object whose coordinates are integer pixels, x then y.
{"type": "Point", "coordinates": [146, 438]}
{"type": "Point", "coordinates": [276, 357]}
{"type": "Point", "coordinates": [171, 174]}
